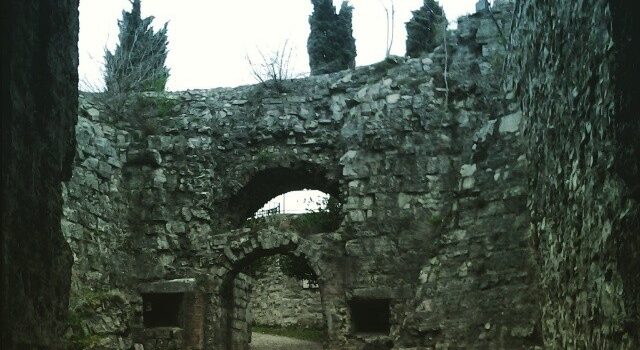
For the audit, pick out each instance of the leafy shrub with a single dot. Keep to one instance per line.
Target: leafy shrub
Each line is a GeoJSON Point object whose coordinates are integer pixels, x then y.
{"type": "Point", "coordinates": [331, 45]}
{"type": "Point", "coordinates": [426, 28]}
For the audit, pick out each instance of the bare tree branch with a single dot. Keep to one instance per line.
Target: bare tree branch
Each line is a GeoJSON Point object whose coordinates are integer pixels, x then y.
{"type": "Point", "coordinates": [446, 67]}
{"type": "Point", "coordinates": [274, 69]}
{"type": "Point", "coordinates": [390, 18]}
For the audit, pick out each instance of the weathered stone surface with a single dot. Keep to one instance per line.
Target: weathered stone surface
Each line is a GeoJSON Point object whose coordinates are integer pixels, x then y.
{"type": "Point", "coordinates": [582, 134]}
{"type": "Point", "coordinates": [181, 285]}
{"type": "Point", "coordinates": [281, 301]}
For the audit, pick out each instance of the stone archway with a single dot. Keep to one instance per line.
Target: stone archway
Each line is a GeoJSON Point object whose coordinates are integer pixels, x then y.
{"type": "Point", "coordinates": [272, 181]}
{"type": "Point", "coordinates": [225, 320]}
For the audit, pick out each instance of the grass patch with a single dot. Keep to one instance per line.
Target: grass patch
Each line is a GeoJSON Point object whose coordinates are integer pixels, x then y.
{"type": "Point", "coordinates": [315, 335]}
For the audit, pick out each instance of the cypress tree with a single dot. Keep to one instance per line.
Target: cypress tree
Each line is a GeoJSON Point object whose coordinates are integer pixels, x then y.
{"type": "Point", "coordinates": [138, 63]}
{"type": "Point", "coordinates": [331, 45]}
{"type": "Point", "coordinates": [426, 28]}
{"type": "Point", "coordinates": [346, 26]}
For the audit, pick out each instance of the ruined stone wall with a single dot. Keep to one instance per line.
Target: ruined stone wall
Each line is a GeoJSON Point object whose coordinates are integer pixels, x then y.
{"type": "Point", "coordinates": [483, 256]}
{"type": "Point", "coordinates": [39, 96]}
{"type": "Point", "coordinates": [430, 171]}
{"type": "Point", "coordinates": [278, 300]}
{"type": "Point", "coordinates": [96, 221]}
{"type": "Point", "coordinates": [573, 67]}
{"type": "Point", "coordinates": [241, 318]}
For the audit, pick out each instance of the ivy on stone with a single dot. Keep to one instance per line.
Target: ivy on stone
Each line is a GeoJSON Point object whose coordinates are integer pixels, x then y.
{"type": "Point", "coordinates": [426, 29]}
{"type": "Point", "coordinates": [331, 45]}
{"type": "Point", "coordinates": [138, 62]}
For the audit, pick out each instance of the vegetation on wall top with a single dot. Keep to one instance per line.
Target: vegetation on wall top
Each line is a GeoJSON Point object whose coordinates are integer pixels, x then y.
{"type": "Point", "coordinates": [331, 45]}
{"type": "Point", "coordinates": [138, 62]}
{"type": "Point", "coordinates": [426, 28]}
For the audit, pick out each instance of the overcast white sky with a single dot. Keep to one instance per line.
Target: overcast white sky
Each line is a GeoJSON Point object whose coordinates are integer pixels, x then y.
{"type": "Point", "coordinates": [209, 39]}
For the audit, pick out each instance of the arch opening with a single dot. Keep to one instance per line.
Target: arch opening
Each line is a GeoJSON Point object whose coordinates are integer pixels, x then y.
{"type": "Point", "coordinates": [267, 184]}
{"type": "Point", "coordinates": [306, 212]}
{"type": "Point", "coordinates": [266, 303]}
{"type": "Point", "coordinates": [295, 202]}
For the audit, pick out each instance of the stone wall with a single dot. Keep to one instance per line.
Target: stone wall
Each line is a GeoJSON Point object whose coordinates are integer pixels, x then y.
{"type": "Point", "coordinates": [424, 154]}
{"type": "Point", "coordinates": [482, 257]}
{"type": "Point", "coordinates": [278, 300]}
{"type": "Point", "coordinates": [573, 64]}
{"type": "Point", "coordinates": [96, 225]}
{"type": "Point", "coordinates": [39, 96]}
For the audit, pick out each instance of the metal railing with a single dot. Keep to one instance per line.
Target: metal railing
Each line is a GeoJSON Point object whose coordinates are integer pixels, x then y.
{"type": "Point", "coordinates": [268, 212]}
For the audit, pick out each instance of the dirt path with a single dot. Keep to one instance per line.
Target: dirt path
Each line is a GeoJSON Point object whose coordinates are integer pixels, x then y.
{"type": "Point", "coordinates": [262, 341]}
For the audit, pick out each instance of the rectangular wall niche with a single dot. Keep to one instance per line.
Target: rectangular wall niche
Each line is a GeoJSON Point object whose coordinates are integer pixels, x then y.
{"type": "Point", "coordinates": [370, 315]}
{"type": "Point", "coordinates": [162, 310]}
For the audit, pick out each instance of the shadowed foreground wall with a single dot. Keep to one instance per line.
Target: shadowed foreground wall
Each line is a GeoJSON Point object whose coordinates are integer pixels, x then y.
{"type": "Point", "coordinates": [39, 98]}
{"type": "Point", "coordinates": [574, 73]}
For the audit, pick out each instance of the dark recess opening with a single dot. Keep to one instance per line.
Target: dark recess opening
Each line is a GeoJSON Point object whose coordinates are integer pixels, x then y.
{"type": "Point", "coordinates": [162, 310]}
{"type": "Point", "coordinates": [370, 315]}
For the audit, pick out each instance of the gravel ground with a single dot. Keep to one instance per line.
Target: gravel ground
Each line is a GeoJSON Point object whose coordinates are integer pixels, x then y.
{"type": "Point", "coordinates": [260, 341]}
